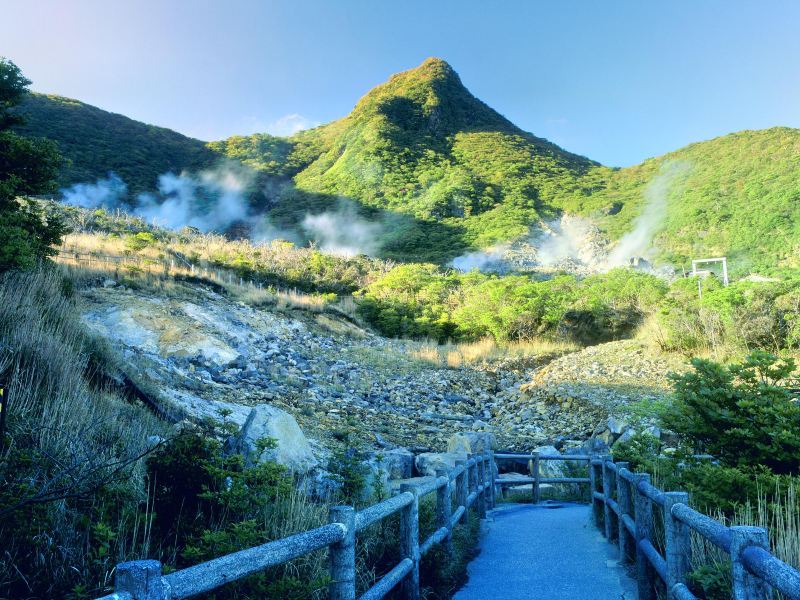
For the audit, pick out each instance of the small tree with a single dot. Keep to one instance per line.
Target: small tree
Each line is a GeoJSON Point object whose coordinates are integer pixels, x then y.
{"type": "Point", "coordinates": [741, 414]}
{"type": "Point", "coordinates": [27, 166]}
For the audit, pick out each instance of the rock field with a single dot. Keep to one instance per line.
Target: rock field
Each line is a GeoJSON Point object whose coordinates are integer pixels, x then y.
{"type": "Point", "coordinates": [210, 357]}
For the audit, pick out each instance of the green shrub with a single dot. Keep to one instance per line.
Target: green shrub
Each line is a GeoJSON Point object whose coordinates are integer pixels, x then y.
{"type": "Point", "coordinates": [739, 413]}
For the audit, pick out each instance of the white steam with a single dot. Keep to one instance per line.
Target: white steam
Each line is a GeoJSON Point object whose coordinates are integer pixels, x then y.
{"type": "Point", "coordinates": [492, 259]}
{"type": "Point", "coordinates": [570, 238]}
{"type": "Point", "coordinates": [343, 232]}
{"type": "Point", "coordinates": [638, 242]}
{"type": "Point", "coordinates": [109, 192]}
{"type": "Point", "coordinates": [212, 200]}
{"type": "Point", "coordinates": [575, 244]}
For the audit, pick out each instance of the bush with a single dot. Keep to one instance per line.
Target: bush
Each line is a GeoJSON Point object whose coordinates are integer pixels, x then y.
{"type": "Point", "coordinates": [421, 301]}
{"type": "Point", "coordinates": [740, 413]}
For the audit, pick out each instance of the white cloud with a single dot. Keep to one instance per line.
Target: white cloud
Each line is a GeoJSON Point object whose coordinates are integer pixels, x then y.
{"type": "Point", "coordinates": [286, 126]}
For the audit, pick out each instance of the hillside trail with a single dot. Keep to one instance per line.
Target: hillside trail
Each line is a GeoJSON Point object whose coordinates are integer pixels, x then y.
{"type": "Point", "coordinates": [548, 552]}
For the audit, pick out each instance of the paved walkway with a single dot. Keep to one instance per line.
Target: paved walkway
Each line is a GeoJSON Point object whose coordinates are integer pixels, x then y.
{"type": "Point", "coordinates": [532, 552]}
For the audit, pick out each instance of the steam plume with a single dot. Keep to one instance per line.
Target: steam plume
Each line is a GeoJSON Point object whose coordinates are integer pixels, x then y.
{"type": "Point", "coordinates": [639, 241]}
{"type": "Point", "coordinates": [109, 192]}
{"type": "Point", "coordinates": [343, 232]}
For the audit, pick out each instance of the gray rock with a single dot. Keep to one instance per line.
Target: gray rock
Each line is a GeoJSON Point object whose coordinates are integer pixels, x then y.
{"type": "Point", "coordinates": [471, 442]}
{"type": "Point", "coordinates": [398, 463]}
{"type": "Point", "coordinates": [616, 425]}
{"type": "Point", "coordinates": [625, 437]}
{"type": "Point", "coordinates": [292, 448]}
{"type": "Point", "coordinates": [428, 462]}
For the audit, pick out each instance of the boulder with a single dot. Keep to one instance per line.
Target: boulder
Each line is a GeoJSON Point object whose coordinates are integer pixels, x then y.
{"type": "Point", "coordinates": [616, 425]}
{"type": "Point", "coordinates": [428, 462]}
{"type": "Point", "coordinates": [625, 437]}
{"type": "Point", "coordinates": [398, 463]}
{"type": "Point", "coordinates": [551, 468]}
{"type": "Point", "coordinates": [471, 442]}
{"type": "Point", "coordinates": [292, 449]}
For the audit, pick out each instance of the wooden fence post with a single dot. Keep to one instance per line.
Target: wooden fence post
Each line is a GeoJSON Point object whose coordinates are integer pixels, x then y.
{"type": "Point", "coordinates": [679, 543]}
{"type": "Point", "coordinates": [745, 585]}
{"type": "Point", "coordinates": [594, 486]}
{"type": "Point", "coordinates": [624, 538]}
{"type": "Point", "coordinates": [462, 485]}
{"type": "Point", "coordinates": [487, 482]}
{"type": "Point", "coordinates": [481, 482]}
{"type": "Point", "coordinates": [444, 508]}
{"type": "Point", "coordinates": [409, 543]}
{"type": "Point", "coordinates": [644, 531]}
{"type": "Point", "coordinates": [471, 476]}
{"type": "Point", "coordinates": [343, 555]}
{"type": "Point", "coordinates": [609, 486]}
{"type": "Point", "coordinates": [141, 579]}
{"type": "Point", "coordinates": [492, 475]}
{"type": "Point", "coordinates": [536, 473]}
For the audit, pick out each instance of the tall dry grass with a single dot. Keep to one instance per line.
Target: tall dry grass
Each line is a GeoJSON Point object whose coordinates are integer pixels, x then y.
{"type": "Point", "coordinates": [66, 434]}
{"type": "Point", "coordinates": [487, 351]}
{"type": "Point", "coordinates": [777, 512]}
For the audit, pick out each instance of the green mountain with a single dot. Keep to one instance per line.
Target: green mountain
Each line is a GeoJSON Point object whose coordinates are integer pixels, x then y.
{"type": "Point", "coordinates": [421, 145]}
{"type": "Point", "coordinates": [95, 142]}
{"type": "Point", "coordinates": [444, 173]}
{"type": "Point", "coordinates": [736, 195]}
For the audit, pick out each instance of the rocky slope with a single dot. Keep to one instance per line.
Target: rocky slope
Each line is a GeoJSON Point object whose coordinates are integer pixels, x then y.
{"type": "Point", "coordinates": [206, 356]}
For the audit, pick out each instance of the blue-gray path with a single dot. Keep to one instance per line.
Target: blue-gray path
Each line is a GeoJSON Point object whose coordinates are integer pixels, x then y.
{"type": "Point", "coordinates": [533, 552]}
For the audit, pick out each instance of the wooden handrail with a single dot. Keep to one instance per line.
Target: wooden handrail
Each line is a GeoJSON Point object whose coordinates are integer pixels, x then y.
{"type": "Point", "coordinates": [629, 498]}
{"type": "Point", "coordinates": [470, 481]}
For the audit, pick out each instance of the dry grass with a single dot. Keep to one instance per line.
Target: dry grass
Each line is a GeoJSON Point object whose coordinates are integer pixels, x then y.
{"type": "Point", "coordinates": [487, 351]}
{"type": "Point", "coordinates": [90, 257]}
{"type": "Point", "coordinates": [66, 432]}
{"type": "Point", "coordinates": [779, 514]}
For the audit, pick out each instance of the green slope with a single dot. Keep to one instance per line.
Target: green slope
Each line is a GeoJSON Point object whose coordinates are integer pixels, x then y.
{"type": "Point", "coordinates": [444, 172]}
{"type": "Point", "coordinates": [95, 142]}
{"type": "Point", "coordinates": [420, 145]}
{"type": "Point", "coordinates": [739, 196]}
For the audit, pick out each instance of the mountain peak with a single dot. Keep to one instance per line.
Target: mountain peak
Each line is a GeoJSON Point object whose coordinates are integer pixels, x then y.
{"type": "Point", "coordinates": [431, 96]}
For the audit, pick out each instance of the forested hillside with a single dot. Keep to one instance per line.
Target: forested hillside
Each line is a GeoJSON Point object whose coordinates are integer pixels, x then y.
{"type": "Point", "coordinates": [94, 142]}
{"type": "Point", "coordinates": [443, 173]}
{"type": "Point", "coordinates": [739, 195]}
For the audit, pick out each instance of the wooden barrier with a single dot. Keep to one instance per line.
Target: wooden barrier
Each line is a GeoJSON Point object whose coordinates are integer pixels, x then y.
{"type": "Point", "coordinates": [471, 480]}
{"type": "Point", "coordinates": [628, 500]}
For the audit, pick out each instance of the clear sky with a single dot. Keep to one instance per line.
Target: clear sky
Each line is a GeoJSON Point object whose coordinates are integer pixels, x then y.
{"type": "Point", "coordinates": [618, 81]}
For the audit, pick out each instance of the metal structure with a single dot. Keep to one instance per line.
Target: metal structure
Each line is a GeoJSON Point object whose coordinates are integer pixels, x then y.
{"type": "Point", "coordinates": [700, 261]}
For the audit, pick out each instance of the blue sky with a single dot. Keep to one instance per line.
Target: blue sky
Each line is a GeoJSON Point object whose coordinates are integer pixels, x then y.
{"type": "Point", "coordinates": [618, 81]}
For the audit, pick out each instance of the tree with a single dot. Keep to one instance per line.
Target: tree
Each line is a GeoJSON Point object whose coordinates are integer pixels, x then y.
{"type": "Point", "coordinates": [742, 414]}
{"type": "Point", "coordinates": [27, 166]}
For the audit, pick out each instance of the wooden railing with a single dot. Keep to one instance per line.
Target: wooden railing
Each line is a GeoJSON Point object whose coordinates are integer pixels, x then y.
{"type": "Point", "coordinates": [623, 507]}
{"type": "Point", "coordinates": [470, 483]}
{"type": "Point", "coordinates": [534, 461]}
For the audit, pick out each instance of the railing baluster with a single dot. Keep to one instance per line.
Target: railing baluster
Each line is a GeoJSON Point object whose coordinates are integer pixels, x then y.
{"type": "Point", "coordinates": [594, 486]}
{"type": "Point", "coordinates": [409, 543]}
{"type": "Point", "coordinates": [492, 476]}
{"type": "Point", "coordinates": [462, 484]}
{"type": "Point", "coordinates": [609, 516]}
{"type": "Point", "coordinates": [645, 578]}
{"type": "Point", "coordinates": [745, 585]}
{"type": "Point", "coordinates": [141, 579]}
{"type": "Point", "coordinates": [343, 555]}
{"type": "Point", "coordinates": [537, 475]}
{"type": "Point", "coordinates": [481, 482]}
{"type": "Point", "coordinates": [679, 544]}
{"type": "Point", "coordinates": [624, 538]}
{"type": "Point", "coordinates": [444, 509]}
